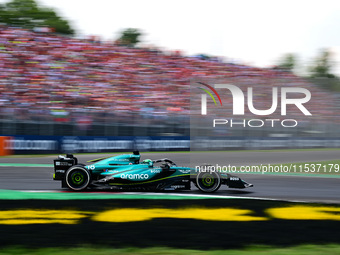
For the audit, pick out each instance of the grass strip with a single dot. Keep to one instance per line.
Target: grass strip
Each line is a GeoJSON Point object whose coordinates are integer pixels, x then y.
{"type": "Point", "coordinates": [24, 165]}
{"type": "Point", "coordinates": [254, 250]}
{"type": "Point", "coordinates": [23, 195]}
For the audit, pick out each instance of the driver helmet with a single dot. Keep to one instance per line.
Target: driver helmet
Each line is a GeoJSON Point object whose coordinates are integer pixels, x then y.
{"type": "Point", "coordinates": [148, 161]}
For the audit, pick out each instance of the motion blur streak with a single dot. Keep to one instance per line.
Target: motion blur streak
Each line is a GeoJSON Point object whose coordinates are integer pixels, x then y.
{"type": "Point", "coordinates": [297, 212]}
{"type": "Point", "coordinates": [209, 214]}
{"type": "Point", "coordinates": [20, 217]}
{"type": "Point", "coordinates": [305, 213]}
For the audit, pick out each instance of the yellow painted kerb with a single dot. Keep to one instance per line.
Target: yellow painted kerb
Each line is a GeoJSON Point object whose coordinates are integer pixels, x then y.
{"type": "Point", "coordinates": [209, 214]}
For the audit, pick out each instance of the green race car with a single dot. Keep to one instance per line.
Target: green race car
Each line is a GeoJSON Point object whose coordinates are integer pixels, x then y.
{"type": "Point", "coordinates": [126, 172]}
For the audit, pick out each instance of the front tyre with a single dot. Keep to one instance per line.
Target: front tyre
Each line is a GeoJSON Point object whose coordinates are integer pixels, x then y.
{"type": "Point", "coordinates": [208, 181]}
{"type": "Point", "coordinates": [77, 178]}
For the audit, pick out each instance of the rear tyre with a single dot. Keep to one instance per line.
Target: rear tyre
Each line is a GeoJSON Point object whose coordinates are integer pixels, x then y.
{"type": "Point", "coordinates": [77, 178]}
{"type": "Point", "coordinates": [208, 181]}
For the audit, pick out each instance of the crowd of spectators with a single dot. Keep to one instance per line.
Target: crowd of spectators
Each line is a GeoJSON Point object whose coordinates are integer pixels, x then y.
{"type": "Point", "coordinates": [48, 77]}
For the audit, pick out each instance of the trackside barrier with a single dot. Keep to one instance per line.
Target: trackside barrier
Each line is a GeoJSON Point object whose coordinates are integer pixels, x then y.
{"type": "Point", "coordinates": [77, 144]}
{"type": "Point", "coordinates": [5, 145]}
{"type": "Point", "coordinates": [27, 144]}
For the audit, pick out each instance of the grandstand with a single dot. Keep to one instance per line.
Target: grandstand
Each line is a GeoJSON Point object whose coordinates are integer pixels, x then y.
{"type": "Point", "coordinates": [56, 85]}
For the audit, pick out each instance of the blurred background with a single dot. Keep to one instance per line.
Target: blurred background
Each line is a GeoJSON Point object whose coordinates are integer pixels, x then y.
{"type": "Point", "coordinates": [66, 88]}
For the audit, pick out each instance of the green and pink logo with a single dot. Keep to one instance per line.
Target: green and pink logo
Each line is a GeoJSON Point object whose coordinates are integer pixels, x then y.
{"type": "Point", "coordinates": [239, 99]}
{"type": "Point", "coordinates": [204, 96]}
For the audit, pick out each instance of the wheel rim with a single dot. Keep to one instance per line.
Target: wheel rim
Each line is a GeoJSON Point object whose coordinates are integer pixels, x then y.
{"type": "Point", "coordinates": [208, 182]}
{"type": "Point", "coordinates": [77, 179]}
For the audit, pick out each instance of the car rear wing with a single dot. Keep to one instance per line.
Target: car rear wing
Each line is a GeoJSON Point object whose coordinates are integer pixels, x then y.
{"type": "Point", "coordinates": [62, 164]}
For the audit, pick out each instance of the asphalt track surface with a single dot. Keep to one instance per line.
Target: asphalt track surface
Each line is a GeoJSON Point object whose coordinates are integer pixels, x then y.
{"type": "Point", "coordinates": [308, 187]}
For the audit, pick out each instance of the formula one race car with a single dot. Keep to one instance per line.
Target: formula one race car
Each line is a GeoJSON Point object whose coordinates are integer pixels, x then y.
{"type": "Point", "coordinates": [125, 172]}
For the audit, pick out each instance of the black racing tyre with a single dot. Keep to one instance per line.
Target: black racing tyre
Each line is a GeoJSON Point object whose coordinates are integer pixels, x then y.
{"type": "Point", "coordinates": [77, 178]}
{"type": "Point", "coordinates": [208, 181]}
